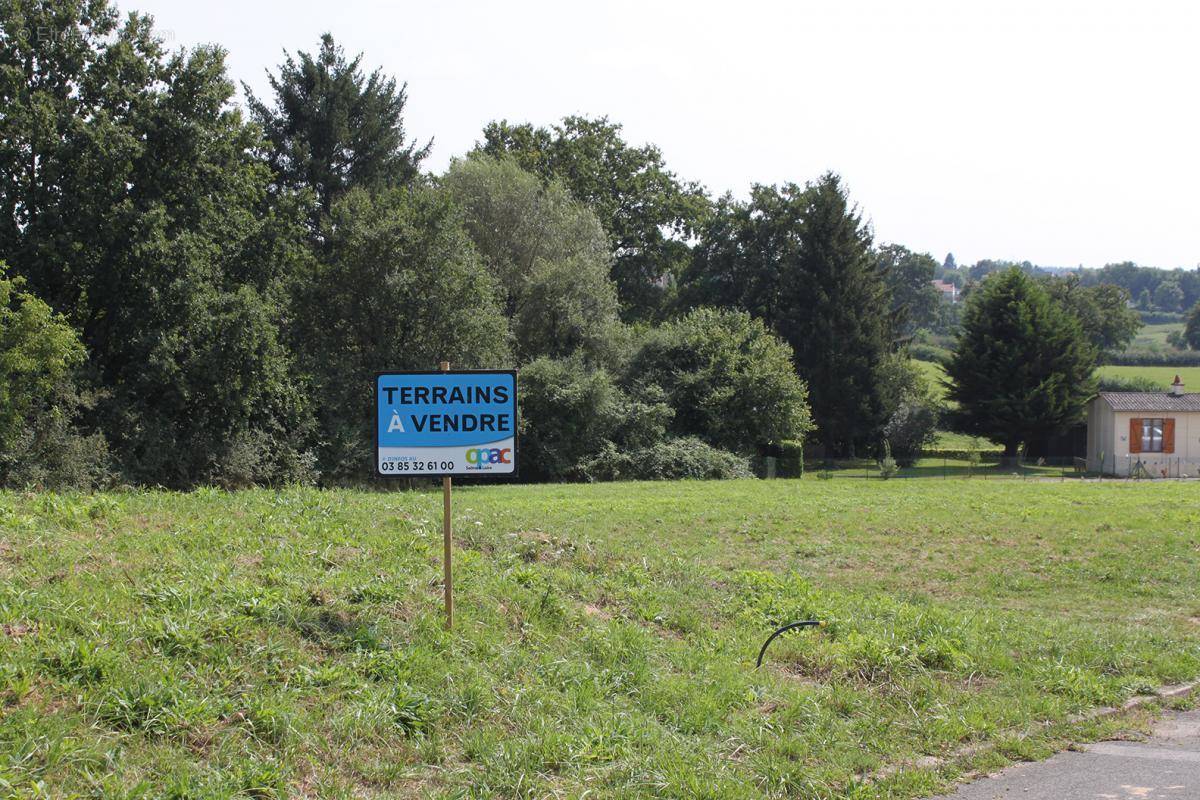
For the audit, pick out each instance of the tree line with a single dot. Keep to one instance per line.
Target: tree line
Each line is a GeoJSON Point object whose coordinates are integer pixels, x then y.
{"type": "Point", "coordinates": [194, 292]}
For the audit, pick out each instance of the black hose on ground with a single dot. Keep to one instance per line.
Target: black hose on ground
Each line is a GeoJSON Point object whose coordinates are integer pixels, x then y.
{"type": "Point", "coordinates": [807, 623]}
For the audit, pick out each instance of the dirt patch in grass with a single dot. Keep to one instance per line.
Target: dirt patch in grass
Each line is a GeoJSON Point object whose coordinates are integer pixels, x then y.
{"type": "Point", "coordinates": [19, 630]}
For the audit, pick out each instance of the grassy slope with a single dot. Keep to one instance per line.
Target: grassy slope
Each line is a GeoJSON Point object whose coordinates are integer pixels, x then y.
{"type": "Point", "coordinates": [291, 642]}
{"type": "Point", "coordinates": [1155, 335]}
{"type": "Point", "coordinates": [934, 373]}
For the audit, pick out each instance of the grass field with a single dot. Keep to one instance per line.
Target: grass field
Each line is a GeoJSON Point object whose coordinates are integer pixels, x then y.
{"type": "Point", "coordinates": [1163, 375]}
{"type": "Point", "coordinates": [1155, 335]}
{"type": "Point", "coordinates": [290, 643]}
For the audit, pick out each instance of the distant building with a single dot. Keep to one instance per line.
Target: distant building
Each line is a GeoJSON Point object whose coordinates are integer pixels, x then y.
{"type": "Point", "coordinates": [1156, 434]}
{"type": "Point", "coordinates": [949, 290]}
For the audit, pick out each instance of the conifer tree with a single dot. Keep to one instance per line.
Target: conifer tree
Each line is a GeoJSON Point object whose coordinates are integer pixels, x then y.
{"type": "Point", "coordinates": [800, 259]}
{"type": "Point", "coordinates": [332, 128]}
{"type": "Point", "coordinates": [1022, 368]}
{"type": "Point", "coordinates": [838, 320]}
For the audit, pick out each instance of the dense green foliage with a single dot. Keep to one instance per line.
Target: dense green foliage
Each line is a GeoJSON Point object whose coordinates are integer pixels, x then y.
{"type": "Point", "coordinates": [728, 380]}
{"type": "Point", "coordinates": [646, 209]}
{"type": "Point", "coordinates": [1103, 311]}
{"type": "Point", "coordinates": [915, 303]}
{"type": "Point", "coordinates": [1191, 332]}
{"type": "Point", "coordinates": [134, 205]}
{"type": "Point", "coordinates": [698, 397]}
{"type": "Point", "coordinates": [329, 128]}
{"type": "Point", "coordinates": [800, 259]}
{"type": "Point", "coordinates": [234, 281]}
{"type": "Point", "coordinates": [37, 352]}
{"type": "Point", "coordinates": [1023, 366]}
{"type": "Point", "coordinates": [548, 256]}
{"type": "Point", "coordinates": [430, 299]}
{"type": "Point", "coordinates": [1177, 289]}
{"type": "Point", "coordinates": [290, 643]}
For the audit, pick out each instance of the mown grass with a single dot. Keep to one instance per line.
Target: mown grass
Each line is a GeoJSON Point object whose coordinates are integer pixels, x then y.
{"type": "Point", "coordinates": [287, 643]}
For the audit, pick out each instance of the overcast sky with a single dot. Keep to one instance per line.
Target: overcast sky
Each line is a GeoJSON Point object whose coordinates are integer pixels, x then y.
{"type": "Point", "coordinates": [1064, 133]}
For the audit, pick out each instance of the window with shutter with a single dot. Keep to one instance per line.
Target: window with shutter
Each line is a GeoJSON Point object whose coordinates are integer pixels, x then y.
{"type": "Point", "coordinates": [1168, 437]}
{"type": "Point", "coordinates": [1152, 436]}
{"type": "Point", "coordinates": [1135, 435]}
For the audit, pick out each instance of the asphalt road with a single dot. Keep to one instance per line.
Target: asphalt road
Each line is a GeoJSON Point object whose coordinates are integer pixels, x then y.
{"type": "Point", "coordinates": [1165, 766]}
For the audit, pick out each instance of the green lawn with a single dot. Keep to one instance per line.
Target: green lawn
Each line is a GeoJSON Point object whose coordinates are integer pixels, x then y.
{"type": "Point", "coordinates": [290, 643]}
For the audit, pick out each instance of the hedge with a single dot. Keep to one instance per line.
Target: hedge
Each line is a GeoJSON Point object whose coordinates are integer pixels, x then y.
{"type": "Point", "coordinates": [1155, 358]}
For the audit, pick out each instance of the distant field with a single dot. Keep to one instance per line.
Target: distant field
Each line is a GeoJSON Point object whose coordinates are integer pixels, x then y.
{"type": "Point", "coordinates": [290, 643]}
{"type": "Point", "coordinates": [1155, 335]}
{"type": "Point", "coordinates": [1163, 375]}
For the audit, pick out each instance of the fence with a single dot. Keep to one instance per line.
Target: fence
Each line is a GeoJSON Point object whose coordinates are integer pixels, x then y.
{"type": "Point", "coordinates": [1135, 467]}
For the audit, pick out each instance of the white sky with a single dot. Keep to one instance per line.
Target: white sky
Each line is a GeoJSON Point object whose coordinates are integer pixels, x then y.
{"type": "Point", "coordinates": [1064, 133]}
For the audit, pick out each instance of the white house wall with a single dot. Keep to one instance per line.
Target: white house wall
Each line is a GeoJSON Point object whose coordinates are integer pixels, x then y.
{"type": "Point", "coordinates": [1112, 432]}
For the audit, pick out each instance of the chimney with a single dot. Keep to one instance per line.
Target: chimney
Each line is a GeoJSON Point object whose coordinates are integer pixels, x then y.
{"type": "Point", "coordinates": [1177, 387]}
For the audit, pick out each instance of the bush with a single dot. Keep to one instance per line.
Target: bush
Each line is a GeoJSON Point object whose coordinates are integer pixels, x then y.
{"type": "Point", "coordinates": [916, 411]}
{"type": "Point", "coordinates": [673, 459]}
{"type": "Point", "coordinates": [38, 349]}
{"type": "Point", "coordinates": [1135, 383]}
{"type": "Point", "coordinates": [50, 452]}
{"type": "Point", "coordinates": [39, 404]}
{"type": "Point", "coordinates": [789, 459]}
{"type": "Point", "coordinates": [571, 412]}
{"type": "Point", "coordinates": [912, 428]}
{"type": "Point", "coordinates": [729, 380]}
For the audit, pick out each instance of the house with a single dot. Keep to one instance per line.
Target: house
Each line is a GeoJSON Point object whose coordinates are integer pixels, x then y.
{"type": "Point", "coordinates": [949, 290]}
{"type": "Point", "coordinates": [1156, 434]}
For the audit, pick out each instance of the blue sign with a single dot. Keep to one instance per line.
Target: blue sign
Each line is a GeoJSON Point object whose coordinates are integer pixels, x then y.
{"type": "Point", "coordinates": [446, 423]}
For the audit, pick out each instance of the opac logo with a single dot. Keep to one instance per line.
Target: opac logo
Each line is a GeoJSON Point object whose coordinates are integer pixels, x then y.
{"type": "Point", "coordinates": [480, 456]}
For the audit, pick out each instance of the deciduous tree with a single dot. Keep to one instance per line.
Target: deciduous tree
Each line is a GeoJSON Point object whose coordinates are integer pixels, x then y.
{"type": "Point", "coordinates": [402, 289]}
{"type": "Point", "coordinates": [547, 254]}
{"type": "Point", "coordinates": [914, 301]}
{"type": "Point", "coordinates": [1102, 310]}
{"type": "Point", "coordinates": [1191, 332]}
{"type": "Point", "coordinates": [730, 381]}
{"type": "Point", "coordinates": [648, 212]}
{"type": "Point", "coordinates": [132, 201]}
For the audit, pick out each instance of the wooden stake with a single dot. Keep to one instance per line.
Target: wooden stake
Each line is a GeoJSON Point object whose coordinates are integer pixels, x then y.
{"type": "Point", "coordinates": [446, 551]}
{"type": "Point", "coordinates": [447, 542]}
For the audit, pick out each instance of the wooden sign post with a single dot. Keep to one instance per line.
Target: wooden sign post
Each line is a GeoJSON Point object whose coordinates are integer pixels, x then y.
{"type": "Point", "coordinates": [441, 423]}
{"type": "Point", "coordinates": [447, 541]}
